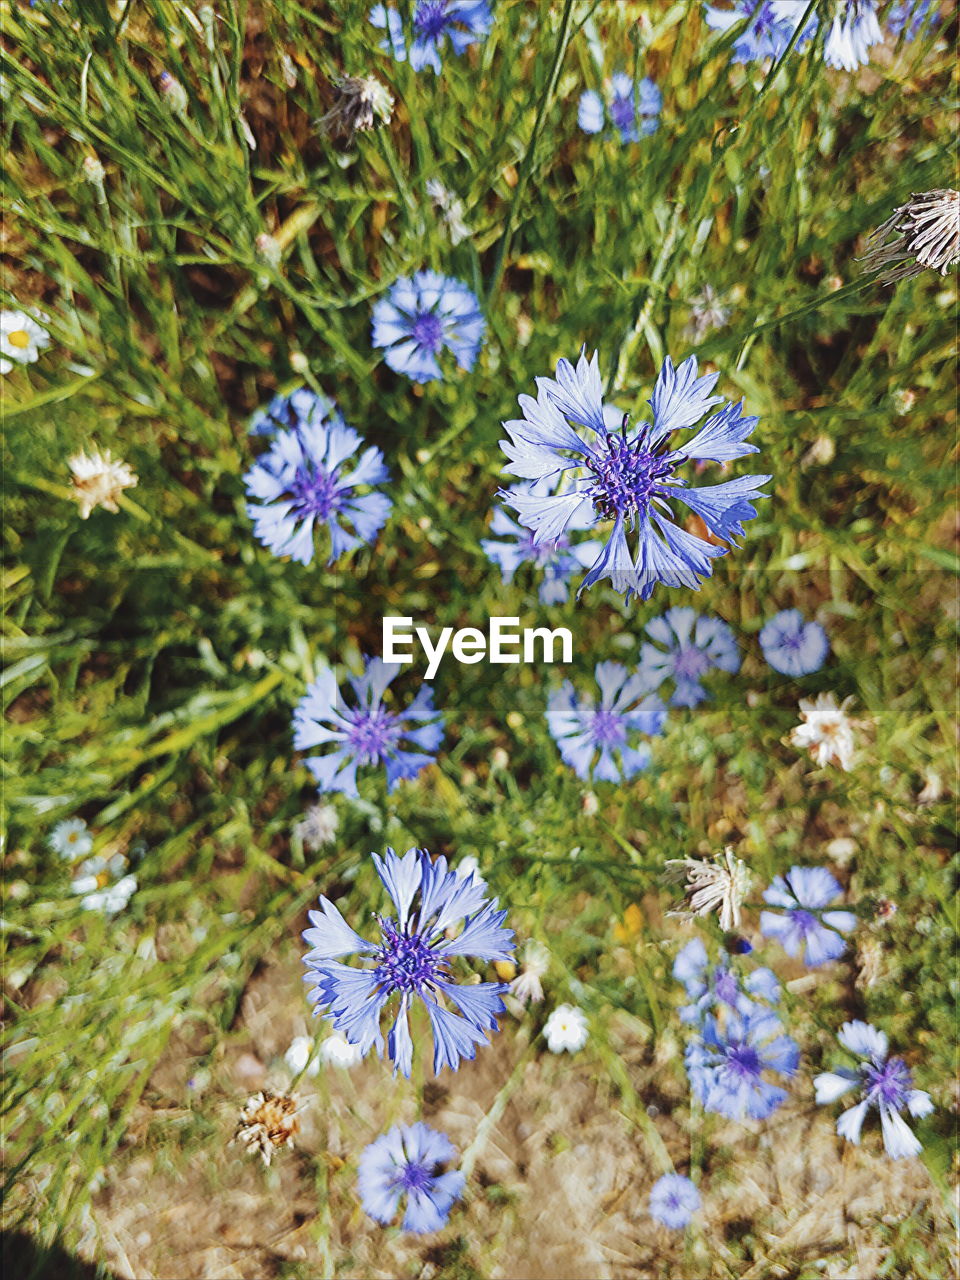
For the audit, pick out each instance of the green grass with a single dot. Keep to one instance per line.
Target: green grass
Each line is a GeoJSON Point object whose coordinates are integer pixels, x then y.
{"type": "Point", "coordinates": [155, 656]}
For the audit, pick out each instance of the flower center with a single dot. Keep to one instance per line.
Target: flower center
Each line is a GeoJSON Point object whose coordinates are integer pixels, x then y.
{"type": "Point", "coordinates": [744, 1060]}
{"type": "Point", "coordinates": [606, 728]}
{"type": "Point", "coordinates": [19, 338]}
{"type": "Point", "coordinates": [622, 113]}
{"type": "Point", "coordinates": [690, 663]}
{"type": "Point", "coordinates": [427, 331]}
{"type": "Point", "coordinates": [373, 733]}
{"type": "Point", "coordinates": [406, 963]}
{"type": "Point", "coordinates": [430, 18]}
{"type": "Point", "coordinates": [890, 1082]}
{"type": "Point", "coordinates": [805, 921]}
{"type": "Point", "coordinates": [625, 476]}
{"type": "Point", "coordinates": [415, 1177]}
{"type": "Point", "coordinates": [316, 492]}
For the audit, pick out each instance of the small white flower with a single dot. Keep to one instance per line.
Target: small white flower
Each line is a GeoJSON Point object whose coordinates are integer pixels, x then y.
{"type": "Point", "coordinates": [706, 314]}
{"type": "Point", "coordinates": [468, 867]}
{"type": "Point", "coordinates": [719, 885]}
{"type": "Point", "coordinates": [526, 986]}
{"type": "Point", "coordinates": [317, 827]}
{"type": "Point", "coordinates": [297, 1057]}
{"type": "Point", "coordinates": [70, 839]}
{"type": "Point", "coordinates": [826, 731]}
{"type": "Point", "coordinates": [451, 206]}
{"type": "Point", "coordinates": [566, 1029]}
{"type": "Point", "coordinates": [84, 884]}
{"type": "Point", "coordinates": [337, 1051]}
{"type": "Point", "coordinates": [98, 480]}
{"type": "Point", "coordinates": [21, 339]}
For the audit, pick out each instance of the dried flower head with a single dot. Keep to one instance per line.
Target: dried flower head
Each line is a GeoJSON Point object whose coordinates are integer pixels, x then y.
{"type": "Point", "coordinates": [719, 884]}
{"type": "Point", "coordinates": [98, 480]}
{"type": "Point", "coordinates": [317, 827]}
{"type": "Point", "coordinates": [922, 234]}
{"type": "Point", "coordinates": [357, 103]}
{"type": "Point", "coordinates": [526, 986]}
{"type": "Point", "coordinates": [267, 1122]}
{"type": "Point", "coordinates": [827, 730]}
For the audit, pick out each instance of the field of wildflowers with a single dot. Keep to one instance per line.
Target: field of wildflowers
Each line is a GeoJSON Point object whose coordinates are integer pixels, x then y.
{"type": "Point", "coordinates": [596, 357]}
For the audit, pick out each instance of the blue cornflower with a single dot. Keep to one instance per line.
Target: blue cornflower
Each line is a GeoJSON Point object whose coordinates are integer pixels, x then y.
{"type": "Point", "coordinates": [673, 1201]}
{"type": "Point", "coordinates": [290, 409]}
{"type": "Point", "coordinates": [854, 31]}
{"type": "Point", "coordinates": [581, 728]}
{"type": "Point", "coordinates": [462, 22]}
{"type": "Point", "coordinates": [727, 1061]}
{"type": "Point", "coordinates": [420, 316]}
{"type": "Point", "coordinates": [771, 27]}
{"type": "Point", "coordinates": [412, 962]}
{"type": "Point", "coordinates": [633, 110]}
{"type": "Point", "coordinates": [406, 1161]}
{"type": "Point", "coordinates": [711, 987]}
{"type": "Point", "coordinates": [801, 892]}
{"type": "Point", "coordinates": [366, 733]}
{"type": "Point", "coordinates": [694, 643]}
{"type": "Point", "coordinates": [306, 479]}
{"type": "Point", "coordinates": [631, 479]}
{"type": "Point", "coordinates": [912, 14]}
{"type": "Point", "coordinates": [792, 646]}
{"type": "Point", "coordinates": [558, 559]}
{"type": "Point", "coordinates": [70, 839]}
{"type": "Point", "coordinates": [884, 1082]}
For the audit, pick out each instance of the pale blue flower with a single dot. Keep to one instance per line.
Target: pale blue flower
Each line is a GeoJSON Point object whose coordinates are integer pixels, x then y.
{"type": "Point", "coordinates": [673, 1201]}
{"type": "Point", "coordinates": [421, 316]}
{"type": "Point", "coordinates": [804, 893]}
{"type": "Point", "coordinates": [600, 740]}
{"type": "Point", "coordinates": [631, 478]}
{"type": "Point", "coordinates": [883, 1082]}
{"type": "Point", "coordinates": [310, 478]}
{"type": "Point", "coordinates": [435, 23]}
{"type": "Point", "coordinates": [793, 646]}
{"type": "Point", "coordinates": [633, 111]}
{"type": "Point", "coordinates": [728, 1064]}
{"type": "Point", "coordinates": [405, 1162]}
{"type": "Point", "coordinates": [710, 987]}
{"type": "Point", "coordinates": [557, 560]}
{"type": "Point", "coordinates": [366, 732]}
{"type": "Point", "coordinates": [693, 645]}
{"type": "Point", "coordinates": [412, 962]}
{"type": "Point", "coordinates": [912, 14]}
{"type": "Point", "coordinates": [771, 26]}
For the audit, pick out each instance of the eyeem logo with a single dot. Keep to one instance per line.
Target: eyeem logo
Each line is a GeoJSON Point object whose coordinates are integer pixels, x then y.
{"type": "Point", "coordinates": [505, 643]}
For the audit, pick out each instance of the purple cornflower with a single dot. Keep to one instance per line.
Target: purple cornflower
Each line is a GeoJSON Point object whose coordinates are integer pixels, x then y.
{"type": "Point", "coordinates": [727, 1061]}
{"type": "Point", "coordinates": [633, 110]}
{"type": "Point", "coordinates": [884, 1082]}
{"type": "Point", "coordinates": [412, 962]}
{"type": "Point", "coordinates": [694, 644]}
{"type": "Point", "coordinates": [366, 733]}
{"type": "Point", "coordinates": [405, 1162]}
{"type": "Point", "coordinates": [711, 987]}
{"type": "Point", "coordinates": [794, 647]}
{"type": "Point", "coordinates": [462, 22]}
{"type": "Point", "coordinates": [631, 478]}
{"type": "Point", "coordinates": [582, 728]}
{"type": "Point", "coordinates": [558, 560]}
{"type": "Point", "coordinates": [422, 315]}
{"type": "Point", "coordinates": [854, 31]}
{"type": "Point", "coordinates": [306, 479]}
{"type": "Point", "coordinates": [771, 27]}
{"type": "Point", "coordinates": [802, 892]}
{"type": "Point", "coordinates": [673, 1201]}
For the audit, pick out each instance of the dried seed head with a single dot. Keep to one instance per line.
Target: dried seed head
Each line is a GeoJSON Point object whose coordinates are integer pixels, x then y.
{"type": "Point", "coordinates": [358, 101]}
{"type": "Point", "coordinates": [98, 480]}
{"type": "Point", "coordinates": [267, 1122]}
{"type": "Point", "coordinates": [921, 235]}
{"type": "Point", "coordinates": [718, 885]}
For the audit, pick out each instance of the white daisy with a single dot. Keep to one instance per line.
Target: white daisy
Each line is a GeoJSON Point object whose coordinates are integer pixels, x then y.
{"type": "Point", "coordinates": [21, 339]}
{"type": "Point", "coordinates": [826, 731]}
